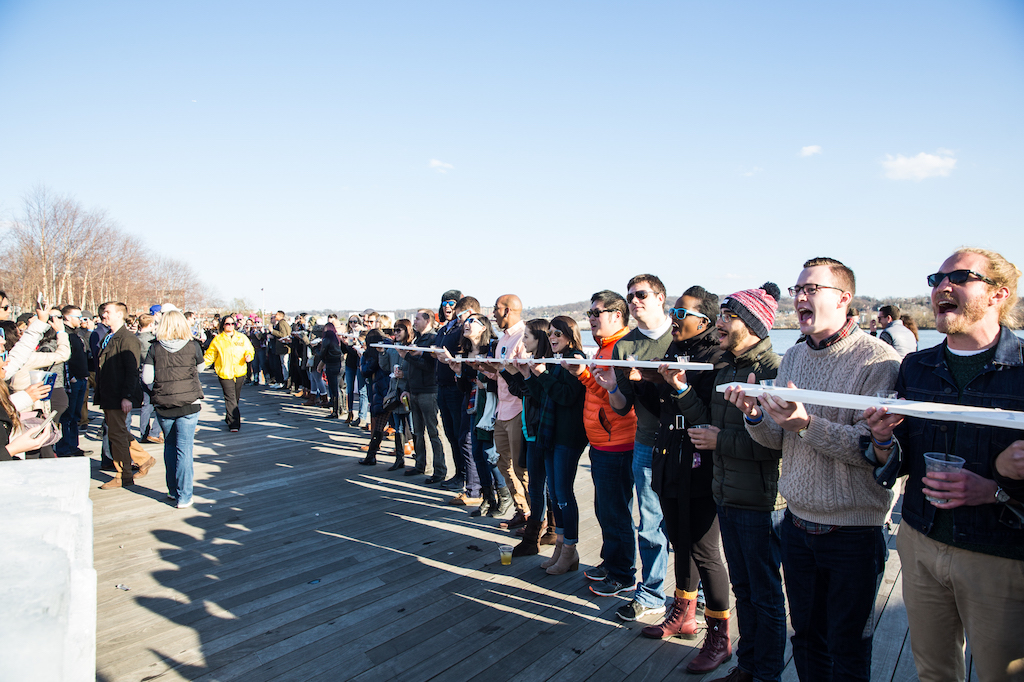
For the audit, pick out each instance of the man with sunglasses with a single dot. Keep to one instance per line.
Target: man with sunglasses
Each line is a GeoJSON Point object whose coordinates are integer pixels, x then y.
{"type": "Point", "coordinates": [649, 341]}
{"type": "Point", "coordinates": [962, 552]}
{"type": "Point", "coordinates": [833, 550]}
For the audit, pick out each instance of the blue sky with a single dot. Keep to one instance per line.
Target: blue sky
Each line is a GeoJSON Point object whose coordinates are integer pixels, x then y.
{"type": "Point", "coordinates": [351, 155]}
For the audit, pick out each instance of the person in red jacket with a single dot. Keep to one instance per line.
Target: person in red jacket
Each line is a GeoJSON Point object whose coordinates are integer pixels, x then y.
{"type": "Point", "coordinates": [611, 454]}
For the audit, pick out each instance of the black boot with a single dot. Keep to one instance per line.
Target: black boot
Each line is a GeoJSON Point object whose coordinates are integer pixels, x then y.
{"type": "Point", "coordinates": [504, 503]}
{"type": "Point", "coordinates": [399, 452]}
{"type": "Point", "coordinates": [529, 545]}
{"type": "Point", "coordinates": [371, 453]}
{"type": "Point", "coordinates": [488, 503]}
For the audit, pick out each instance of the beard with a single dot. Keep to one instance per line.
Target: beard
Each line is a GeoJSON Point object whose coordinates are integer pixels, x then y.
{"type": "Point", "coordinates": [968, 313]}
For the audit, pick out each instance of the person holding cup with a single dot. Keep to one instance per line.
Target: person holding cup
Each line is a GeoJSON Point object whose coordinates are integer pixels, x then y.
{"type": "Point", "coordinates": [962, 537]}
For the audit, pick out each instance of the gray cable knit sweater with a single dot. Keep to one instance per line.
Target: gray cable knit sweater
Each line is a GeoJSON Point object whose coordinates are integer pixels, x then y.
{"type": "Point", "coordinates": [825, 478]}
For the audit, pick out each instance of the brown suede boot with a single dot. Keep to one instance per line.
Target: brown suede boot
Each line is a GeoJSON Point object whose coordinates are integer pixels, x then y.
{"type": "Point", "coordinates": [680, 621]}
{"type": "Point", "coordinates": [717, 648]}
{"type": "Point", "coordinates": [568, 560]}
{"type": "Point", "coordinates": [529, 544]}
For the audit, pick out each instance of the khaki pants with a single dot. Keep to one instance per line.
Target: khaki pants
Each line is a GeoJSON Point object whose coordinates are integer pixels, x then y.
{"type": "Point", "coordinates": [123, 448]}
{"type": "Point", "coordinates": [508, 439]}
{"type": "Point", "coordinates": [948, 590]}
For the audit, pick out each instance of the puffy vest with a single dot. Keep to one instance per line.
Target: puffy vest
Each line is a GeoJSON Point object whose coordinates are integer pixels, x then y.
{"type": "Point", "coordinates": [176, 376]}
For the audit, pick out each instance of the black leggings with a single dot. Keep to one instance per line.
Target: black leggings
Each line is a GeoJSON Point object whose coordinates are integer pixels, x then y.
{"type": "Point", "coordinates": [692, 528]}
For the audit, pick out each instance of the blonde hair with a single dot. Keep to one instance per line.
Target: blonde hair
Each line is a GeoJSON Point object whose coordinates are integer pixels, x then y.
{"type": "Point", "coordinates": [1004, 274]}
{"type": "Point", "coordinates": [173, 326]}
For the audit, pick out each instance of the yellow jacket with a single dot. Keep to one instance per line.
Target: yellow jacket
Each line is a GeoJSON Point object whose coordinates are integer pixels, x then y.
{"type": "Point", "coordinates": [228, 354]}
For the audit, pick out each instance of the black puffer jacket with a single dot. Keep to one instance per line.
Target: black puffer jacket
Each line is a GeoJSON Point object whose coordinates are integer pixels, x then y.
{"type": "Point", "coordinates": [422, 370]}
{"type": "Point", "coordinates": [746, 474]}
{"type": "Point", "coordinates": [672, 471]}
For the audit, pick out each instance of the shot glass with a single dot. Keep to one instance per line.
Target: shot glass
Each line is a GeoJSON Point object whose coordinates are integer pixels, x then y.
{"type": "Point", "coordinates": [886, 395]}
{"type": "Point", "coordinates": [506, 554]}
{"type": "Point", "coordinates": [935, 462]}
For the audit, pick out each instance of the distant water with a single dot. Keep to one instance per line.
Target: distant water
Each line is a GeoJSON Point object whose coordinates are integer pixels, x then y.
{"type": "Point", "coordinates": [784, 339]}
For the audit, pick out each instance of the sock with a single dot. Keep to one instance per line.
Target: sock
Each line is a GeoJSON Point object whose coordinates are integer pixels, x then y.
{"type": "Point", "coordinates": [720, 615]}
{"type": "Point", "coordinates": [683, 594]}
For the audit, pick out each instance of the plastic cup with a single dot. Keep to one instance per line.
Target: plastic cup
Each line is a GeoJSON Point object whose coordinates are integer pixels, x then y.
{"type": "Point", "coordinates": [886, 395]}
{"type": "Point", "coordinates": [506, 554]}
{"type": "Point", "coordinates": [36, 376]}
{"type": "Point", "coordinates": [768, 383]}
{"type": "Point", "coordinates": [935, 462]}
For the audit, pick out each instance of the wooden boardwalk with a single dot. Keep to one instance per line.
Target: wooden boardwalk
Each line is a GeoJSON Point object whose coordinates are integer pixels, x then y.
{"type": "Point", "coordinates": [297, 564]}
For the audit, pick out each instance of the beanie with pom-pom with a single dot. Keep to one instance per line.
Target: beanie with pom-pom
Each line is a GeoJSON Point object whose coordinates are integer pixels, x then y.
{"type": "Point", "coordinates": [756, 307]}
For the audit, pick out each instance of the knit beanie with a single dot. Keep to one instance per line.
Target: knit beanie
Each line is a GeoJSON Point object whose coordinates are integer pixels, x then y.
{"type": "Point", "coordinates": [756, 307]}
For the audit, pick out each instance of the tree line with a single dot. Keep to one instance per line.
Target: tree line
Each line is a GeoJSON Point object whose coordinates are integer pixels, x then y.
{"type": "Point", "coordinates": [71, 254]}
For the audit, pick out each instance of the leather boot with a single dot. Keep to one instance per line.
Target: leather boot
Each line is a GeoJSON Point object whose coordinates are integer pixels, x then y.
{"type": "Point", "coordinates": [680, 621]}
{"type": "Point", "coordinates": [324, 401]}
{"type": "Point", "coordinates": [568, 560]}
{"type": "Point", "coordinates": [487, 504]}
{"type": "Point", "coordinates": [399, 454]}
{"type": "Point", "coordinates": [547, 532]}
{"type": "Point", "coordinates": [504, 503]}
{"type": "Point", "coordinates": [529, 545]}
{"type": "Point", "coordinates": [310, 402]}
{"type": "Point", "coordinates": [371, 452]}
{"type": "Point", "coordinates": [717, 648]}
{"type": "Point", "coordinates": [554, 555]}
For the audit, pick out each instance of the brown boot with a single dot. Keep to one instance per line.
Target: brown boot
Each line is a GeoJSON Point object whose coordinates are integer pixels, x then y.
{"type": "Point", "coordinates": [717, 648]}
{"type": "Point", "coordinates": [310, 402]}
{"type": "Point", "coordinates": [680, 621]}
{"type": "Point", "coordinates": [529, 545]}
{"type": "Point", "coordinates": [145, 467]}
{"type": "Point", "coordinates": [554, 555]}
{"type": "Point", "coordinates": [568, 560]}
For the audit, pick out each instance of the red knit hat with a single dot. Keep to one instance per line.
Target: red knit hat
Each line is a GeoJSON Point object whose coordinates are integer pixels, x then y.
{"type": "Point", "coordinates": [756, 307]}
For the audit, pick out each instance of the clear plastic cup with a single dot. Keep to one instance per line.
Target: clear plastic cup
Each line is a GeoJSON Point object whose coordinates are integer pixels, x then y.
{"type": "Point", "coordinates": [506, 554]}
{"type": "Point", "coordinates": [768, 383]}
{"type": "Point", "coordinates": [935, 462]}
{"type": "Point", "coordinates": [886, 395]}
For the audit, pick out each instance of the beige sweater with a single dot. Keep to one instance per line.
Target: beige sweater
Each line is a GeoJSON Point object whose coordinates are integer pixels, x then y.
{"type": "Point", "coordinates": [825, 478]}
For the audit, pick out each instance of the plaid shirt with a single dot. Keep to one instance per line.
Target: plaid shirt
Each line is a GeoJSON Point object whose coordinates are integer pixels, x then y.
{"type": "Point", "coordinates": [847, 329]}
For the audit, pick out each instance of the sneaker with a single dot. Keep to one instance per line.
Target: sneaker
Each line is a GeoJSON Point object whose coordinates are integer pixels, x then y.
{"type": "Point", "coordinates": [182, 504]}
{"type": "Point", "coordinates": [609, 587]}
{"type": "Point", "coordinates": [597, 573]}
{"type": "Point", "coordinates": [634, 610]}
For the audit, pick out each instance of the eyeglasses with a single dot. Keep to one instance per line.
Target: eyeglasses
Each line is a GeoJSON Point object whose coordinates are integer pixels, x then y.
{"type": "Point", "coordinates": [478, 320]}
{"type": "Point", "coordinates": [956, 277]}
{"type": "Point", "coordinates": [448, 304]}
{"type": "Point", "coordinates": [5, 307]}
{"type": "Point", "coordinates": [683, 313]}
{"type": "Point", "coordinates": [642, 295]}
{"type": "Point", "coordinates": [726, 316]}
{"type": "Point", "coordinates": [593, 314]}
{"type": "Point", "coordinates": [229, 324]}
{"type": "Point", "coordinates": [809, 289]}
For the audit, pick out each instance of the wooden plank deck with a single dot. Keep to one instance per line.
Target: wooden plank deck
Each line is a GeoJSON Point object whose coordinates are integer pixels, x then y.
{"type": "Point", "coordinates": [297, 564]}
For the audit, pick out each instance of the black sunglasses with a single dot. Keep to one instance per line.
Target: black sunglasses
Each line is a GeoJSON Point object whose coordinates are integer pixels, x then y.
{"type": "Point", "coordinates": [956, 277]}
{"type": "Point", "coordinates": [642, 295]}
{"type": "Point", "coordinates": [597, 313]}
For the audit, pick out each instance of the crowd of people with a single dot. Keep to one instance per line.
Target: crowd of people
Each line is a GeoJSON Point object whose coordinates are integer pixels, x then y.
{"type": "Point", "coordinates": [760, 498]}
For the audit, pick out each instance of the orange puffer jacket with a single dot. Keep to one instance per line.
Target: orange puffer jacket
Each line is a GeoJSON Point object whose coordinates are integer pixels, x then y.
{"type": "Point", "coordinates": [605, 429]}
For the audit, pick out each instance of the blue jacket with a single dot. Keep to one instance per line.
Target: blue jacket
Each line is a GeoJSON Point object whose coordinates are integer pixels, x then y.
{"type": "Point", "coordinates": [376, 377]}
{"type": "Point", "coordinates": [925, 376]}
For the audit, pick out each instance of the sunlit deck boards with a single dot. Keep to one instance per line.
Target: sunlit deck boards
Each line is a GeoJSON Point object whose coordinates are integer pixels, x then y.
{"type": "Point", "coordinates": [298, 564]}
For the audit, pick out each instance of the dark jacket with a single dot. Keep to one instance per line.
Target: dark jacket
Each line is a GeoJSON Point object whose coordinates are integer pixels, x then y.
{"type": "Point", "coordinates": [422, 377]}
{"type": "Point", "coordinates": [78, 364]}
{"type": "Point", "coordinates": [672, 470]}
{"type": "Point", "coordinates": [925, 376]}
{"type": "Point", "coordinates": [745, 473]}
{"type": "Point", "coordinates": [376, 379]}
{"type": "Point", "coordinates": [448, 336]}
{"type": "Point", "coordinates": [330, 353]}
{"type": "Point", "coordinates": [560, 396]}
{"type": "Point", "coordinates": [117, 375]}
{"type": "Point", "coordinates": [282, 333]}
{"type": "Point", "coordinates": [95, 340]}
{"type": "Point", "coordinates": [175, 377]}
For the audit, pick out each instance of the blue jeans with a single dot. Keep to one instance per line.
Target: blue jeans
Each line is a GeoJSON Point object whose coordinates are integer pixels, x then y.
{"type": "Point", "coordinates": [146, 413]}
{"type": "Point", "coordinates": [68, 442]}
{"type": "Point", "coordinates": [753, 548]}
{"type": "Point", "coordinates": [179, 434]}
{"type": "Point", "coordinates": [489, 474]}
{"type": "Point", "coordinates": [317, 385]}
{"type": "Point", "coordinates": [561, 465]}
{"type": "Point", "coordinates": [285, 367]}
{"type": "Point", "coordinates": [613, 506]}
{"type": "Point", "coordinates": [651, 535]}
{"type": "Point", "coordinates": [831, 581]}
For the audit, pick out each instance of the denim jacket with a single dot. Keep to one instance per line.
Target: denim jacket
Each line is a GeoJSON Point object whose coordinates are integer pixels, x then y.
{"type": "Point", "coordinates": [925, 376]}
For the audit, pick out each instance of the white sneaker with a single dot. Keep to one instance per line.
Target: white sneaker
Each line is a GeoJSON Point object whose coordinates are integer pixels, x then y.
{"type": "Point", "coordinates": [188, 503]}
{"type": "Point", "coordinates": [634, 610]}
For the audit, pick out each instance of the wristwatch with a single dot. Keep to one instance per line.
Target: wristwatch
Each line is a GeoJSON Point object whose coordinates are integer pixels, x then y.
{"type": "Point", "coordinates": [803, 432]}
{"type": "Point", "coordinates": [1001, 496]}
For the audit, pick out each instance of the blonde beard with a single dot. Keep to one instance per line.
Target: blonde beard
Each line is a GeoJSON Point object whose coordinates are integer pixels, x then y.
{"type": "Point", "coordinates": [969, 314]}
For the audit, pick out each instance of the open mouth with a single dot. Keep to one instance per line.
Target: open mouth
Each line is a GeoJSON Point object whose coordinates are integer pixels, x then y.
{"type": "Point", "coordinates": [946, 306]}
{"type": "Point", "coordinates": [804, 315]}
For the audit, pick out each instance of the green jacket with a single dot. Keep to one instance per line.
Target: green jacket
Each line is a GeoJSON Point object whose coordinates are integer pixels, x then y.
{"type": "Point", "coordinates": [746, 474]}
